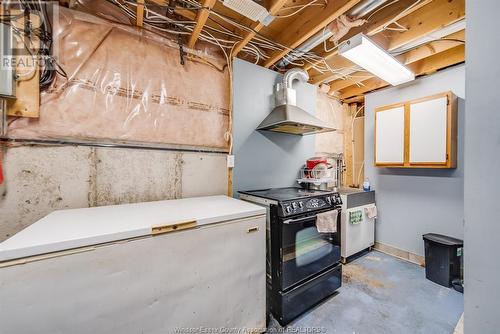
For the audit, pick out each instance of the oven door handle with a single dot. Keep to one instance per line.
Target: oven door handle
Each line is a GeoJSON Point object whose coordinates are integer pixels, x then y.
{"type": "Point", "coordinates": [298, 220]}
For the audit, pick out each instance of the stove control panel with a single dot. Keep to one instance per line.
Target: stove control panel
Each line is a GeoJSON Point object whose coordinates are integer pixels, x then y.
{"type": "Point", "coordinates": [298, 206]}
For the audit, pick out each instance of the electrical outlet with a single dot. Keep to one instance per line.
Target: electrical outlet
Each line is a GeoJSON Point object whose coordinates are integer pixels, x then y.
{"type": "Point", "coordinates": [230, 161]}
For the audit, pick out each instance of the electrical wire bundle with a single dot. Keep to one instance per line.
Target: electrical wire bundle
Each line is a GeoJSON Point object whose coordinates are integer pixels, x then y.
{"type": "Point", "coordinates": [259, 47]}
{"type": "Point", "coordinates": [42, 53]}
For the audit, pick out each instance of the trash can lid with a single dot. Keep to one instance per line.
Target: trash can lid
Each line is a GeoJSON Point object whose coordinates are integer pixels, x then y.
{"type": "Point", "coordinates": [443, 239]}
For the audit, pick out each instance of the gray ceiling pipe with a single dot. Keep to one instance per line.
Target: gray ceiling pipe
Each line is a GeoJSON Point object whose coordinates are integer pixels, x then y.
{"type": "Point", "coordinates": [361, 9]}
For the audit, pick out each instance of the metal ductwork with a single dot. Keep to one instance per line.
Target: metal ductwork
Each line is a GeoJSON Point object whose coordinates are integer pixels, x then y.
{"type": "Point", "coordinates": [286, 117]}
{"type": "Point", "coordinates": [365, 7]}
{"type": "Point", "coordinates": [359, 11]}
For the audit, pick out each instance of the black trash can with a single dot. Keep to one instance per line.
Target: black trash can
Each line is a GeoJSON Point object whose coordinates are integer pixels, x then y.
{"type": "Point", "coordinates": [443, 257]}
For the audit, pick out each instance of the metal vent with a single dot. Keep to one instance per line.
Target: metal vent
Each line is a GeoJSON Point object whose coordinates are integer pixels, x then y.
{"type": "Point", "coordinates": [248, 8]}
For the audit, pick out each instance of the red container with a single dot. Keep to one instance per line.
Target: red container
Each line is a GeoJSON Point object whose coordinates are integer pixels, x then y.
{"type": "Point", "coordinates": [311, 163]}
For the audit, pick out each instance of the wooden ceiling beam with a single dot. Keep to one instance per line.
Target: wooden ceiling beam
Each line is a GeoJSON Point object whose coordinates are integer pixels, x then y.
{"type": "Point", "coordinates": [356, 77]}
{"type": "Point", "coordinates": [201, 19]}
{"type": "Point", "coordinates": [355, 99]}
{"type": "Point", "coordinates": [422, 22]}
{"type": "Point", "coordinates": [419, 53]}
{"type": "Point", "coordinates": [379, 20]}
{"type": "Point", "coordinates": [427, 65]}
{"type": "Point", "coordinates": [309, 22]}
{"type": "Point", "coordinates": [159, 2]}
{"type": "Point", "coordinates": [140, 13]}
{"type": "Point", "coordinates": [430, 18]}
{"type": "Point", "coordinates": [273, 9]}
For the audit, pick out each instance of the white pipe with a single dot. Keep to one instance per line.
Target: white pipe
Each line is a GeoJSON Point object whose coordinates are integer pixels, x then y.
{"type": "Point", "coordinates": [352, 143]}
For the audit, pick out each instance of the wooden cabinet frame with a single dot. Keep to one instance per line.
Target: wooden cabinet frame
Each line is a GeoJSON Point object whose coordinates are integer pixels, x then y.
{"type": "Point", "coordinates": [451, 133]}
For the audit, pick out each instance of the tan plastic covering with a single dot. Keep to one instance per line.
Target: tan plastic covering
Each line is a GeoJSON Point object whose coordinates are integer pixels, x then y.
{"type": "Point", "coordinates": [128, 85]}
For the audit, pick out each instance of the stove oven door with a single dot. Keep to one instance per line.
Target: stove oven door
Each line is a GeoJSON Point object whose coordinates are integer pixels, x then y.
{"type": "Point", "coordinates": [304, 251]}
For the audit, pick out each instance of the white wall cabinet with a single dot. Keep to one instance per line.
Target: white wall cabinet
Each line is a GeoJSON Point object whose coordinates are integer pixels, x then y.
{"type": "Point", "coordinates": [389, 132]}
{"type": "Point", "coordinates": [420, 133]}
{"type": "Point", "coordinates": [428, 131]}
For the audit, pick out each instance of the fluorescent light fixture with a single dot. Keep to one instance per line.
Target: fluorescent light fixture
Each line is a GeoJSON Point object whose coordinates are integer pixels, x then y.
{"type": "Point", "coordinates": [362, 51]}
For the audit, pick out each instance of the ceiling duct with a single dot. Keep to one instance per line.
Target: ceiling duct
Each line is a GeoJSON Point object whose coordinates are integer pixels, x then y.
{"type": "Point", "coordinates": [360, 10]}
{"type": "Point", "coordinates": [250, 9]}
{"type": "Point", "coordinates": [286, 117]}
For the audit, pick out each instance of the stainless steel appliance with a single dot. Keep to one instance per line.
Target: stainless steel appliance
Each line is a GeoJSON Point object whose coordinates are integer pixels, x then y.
{"type": "Point", "coordinates": [303, 265]}
{"type": "Point", "coordinates": [287, 117]}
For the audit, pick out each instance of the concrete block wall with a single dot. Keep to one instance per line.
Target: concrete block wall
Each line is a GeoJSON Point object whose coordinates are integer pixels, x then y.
{"type": "Point", "coordinates": [41, 179]}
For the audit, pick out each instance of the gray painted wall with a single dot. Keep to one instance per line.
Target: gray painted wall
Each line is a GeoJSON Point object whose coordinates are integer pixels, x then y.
{"type": "Point", "coordinates": [265, 159]}
{"type": "Point", "coordinates": [482, 162]}
{"type": "Point", "coordinates": [417, 201]}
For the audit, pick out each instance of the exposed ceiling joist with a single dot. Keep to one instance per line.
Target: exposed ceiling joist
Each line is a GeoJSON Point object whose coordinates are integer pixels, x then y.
{"type": "Point", "coordinates": [356, 77]}
{"type": "Point", "coordinates": [432, 17]}
{"type": "Point", "coordinates": [407, 58]}
{"type": "Point", "coordinates": [273, 9]}
{"type": "Point", "coordinates": [140, 13]}
{"type": "Point", "coordinates": [376, 23]}
{"type": "Point", "coordinates": [201, 19]}
{"type": "Point", "coordinates": [427, 65]}
{"type": "Point", "coordinates": [306, 25]}
{"type": "Point", "coordinates": [186, 13]}
{"type": "Point", "coordinates": [427, 19]}
{"type": "Point", "coordinates": [160, 2]}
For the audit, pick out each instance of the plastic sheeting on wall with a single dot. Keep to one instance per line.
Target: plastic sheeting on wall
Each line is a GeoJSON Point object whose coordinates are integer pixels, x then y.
{"type": "Point", "coordinates": [128, 85]}
{"type": "Point", "coordinates": [330, 111]}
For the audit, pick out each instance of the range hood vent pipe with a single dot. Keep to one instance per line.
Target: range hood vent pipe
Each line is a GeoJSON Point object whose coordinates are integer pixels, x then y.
{"type": "Point", "coordinates": [287, 117]}
{"type": "Point", "coordinates": [285, 94]}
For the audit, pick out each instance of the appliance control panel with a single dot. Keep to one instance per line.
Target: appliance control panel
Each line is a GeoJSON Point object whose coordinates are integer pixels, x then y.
{"type": "Point", "coordinates": [298, 206]}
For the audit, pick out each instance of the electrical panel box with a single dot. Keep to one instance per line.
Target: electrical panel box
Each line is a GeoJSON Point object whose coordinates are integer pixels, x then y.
{"type": "Point", "coordinates": [7, 83]}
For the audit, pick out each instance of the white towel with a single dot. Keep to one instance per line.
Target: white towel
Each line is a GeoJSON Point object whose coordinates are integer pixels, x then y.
{"type": "Point", "coordinates": [326, 222]}
{"type": "Point", "coordinates": [371, 212]}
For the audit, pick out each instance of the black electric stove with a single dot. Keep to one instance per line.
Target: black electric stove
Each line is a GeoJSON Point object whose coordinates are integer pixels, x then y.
{"type": "Point", "coordinates": [292, 201]}
{"type": "Point", "coordinates": [285, 194]}
{"type": "Point", "coordinates": [303, 265]}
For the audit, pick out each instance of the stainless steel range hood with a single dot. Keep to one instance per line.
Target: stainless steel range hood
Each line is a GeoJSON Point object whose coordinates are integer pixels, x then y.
{"type": "Point", "coordinates": [286, 117]}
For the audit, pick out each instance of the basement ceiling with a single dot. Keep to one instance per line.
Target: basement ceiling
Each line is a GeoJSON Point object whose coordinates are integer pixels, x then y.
{"type": "Point", "coordinates": [409, 29]}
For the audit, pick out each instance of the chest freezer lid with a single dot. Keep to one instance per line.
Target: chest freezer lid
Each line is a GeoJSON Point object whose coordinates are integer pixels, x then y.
{"type": "Point", "coordinates": [67, 229]}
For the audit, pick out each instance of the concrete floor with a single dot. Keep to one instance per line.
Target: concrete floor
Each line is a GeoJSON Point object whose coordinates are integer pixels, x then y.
{"type": "Point", "coordinates": [382, 294]}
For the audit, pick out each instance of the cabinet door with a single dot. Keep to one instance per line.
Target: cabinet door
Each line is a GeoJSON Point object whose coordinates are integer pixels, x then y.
{"type": "Point", "coordinates": [428, 131]}
{"type": "Point", "coordinates": [389, 136]}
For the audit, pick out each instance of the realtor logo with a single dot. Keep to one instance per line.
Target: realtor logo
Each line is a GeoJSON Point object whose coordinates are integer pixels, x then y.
{"type": "Point", "coordinates": [27, 43]}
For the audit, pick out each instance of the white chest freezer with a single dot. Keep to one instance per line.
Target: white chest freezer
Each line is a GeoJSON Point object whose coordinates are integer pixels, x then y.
{"type": "Point", "coordinates": [157, 267]}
